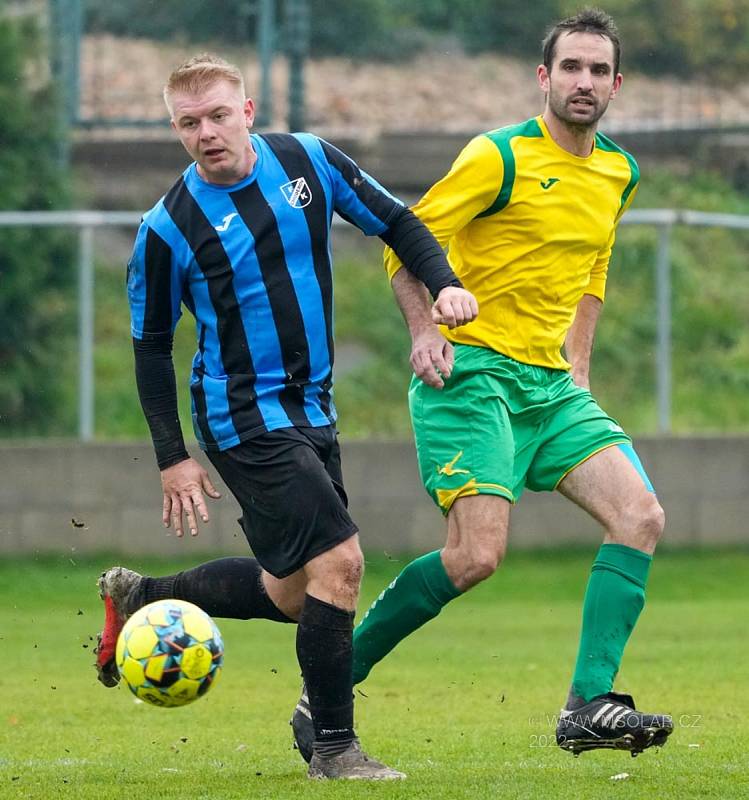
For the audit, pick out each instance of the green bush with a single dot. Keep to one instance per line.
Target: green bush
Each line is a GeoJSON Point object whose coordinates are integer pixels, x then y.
{"type": "Point", "coordinates": [35, 274]}
{"type": "Point", "coordinates": [710, 295]}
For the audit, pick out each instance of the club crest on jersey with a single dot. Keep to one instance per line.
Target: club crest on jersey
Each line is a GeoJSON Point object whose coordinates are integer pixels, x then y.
{"type": "Point", "coordinates": [297, 193]}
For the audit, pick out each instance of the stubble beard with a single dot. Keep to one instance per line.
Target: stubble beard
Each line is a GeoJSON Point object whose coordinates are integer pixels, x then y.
{"type": "Point", "coordinates": [559, 108]}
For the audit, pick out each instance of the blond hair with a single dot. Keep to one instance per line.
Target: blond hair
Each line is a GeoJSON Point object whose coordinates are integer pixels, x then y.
{"type": "Point", "coordinates": [200, 72]}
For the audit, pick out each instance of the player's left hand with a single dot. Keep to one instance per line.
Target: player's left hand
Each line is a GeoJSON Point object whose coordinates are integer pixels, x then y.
{"type": "Point", "coordinates": [432, 357]}
{"type": "Point", "coordinates": [183, 485]}
{"type": "Point", "coordinates": [454, 307]}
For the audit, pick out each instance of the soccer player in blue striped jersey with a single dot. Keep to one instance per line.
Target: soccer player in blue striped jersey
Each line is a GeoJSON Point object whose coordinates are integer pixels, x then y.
{"type": "Point", "coordinates": [242, 240]}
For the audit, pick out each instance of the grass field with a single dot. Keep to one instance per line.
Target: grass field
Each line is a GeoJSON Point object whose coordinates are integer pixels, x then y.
{"type": "Point", "coordinates": [466, 707]}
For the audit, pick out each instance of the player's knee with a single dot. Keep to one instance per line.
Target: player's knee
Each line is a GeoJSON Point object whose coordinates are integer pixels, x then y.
{"type": "Point", "coordinates": [349, 568]}
{"type": "Point", "coordinates": [481, 563]}
{"type": "Point", "coordinates": [335, 575]}
{"type": "Point", "coordinates": [641, 525]}
{"type": "Point", "coordinates": [652, 520]}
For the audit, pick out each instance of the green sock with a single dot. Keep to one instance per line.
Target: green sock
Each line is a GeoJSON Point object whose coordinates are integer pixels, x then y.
{"type": "Point", "coordinates": [413, 598]}
{"type": "Point", "coordinates": [613, 602]}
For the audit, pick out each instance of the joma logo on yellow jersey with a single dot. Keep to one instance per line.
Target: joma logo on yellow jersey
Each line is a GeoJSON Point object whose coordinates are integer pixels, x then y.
{"type": "Point", "coordinates": [547, 184]}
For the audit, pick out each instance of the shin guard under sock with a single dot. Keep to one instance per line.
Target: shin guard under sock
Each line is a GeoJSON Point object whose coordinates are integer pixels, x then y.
{"type": "Point", "coordinates": [323, 646]}
{"type": "Point", "coordinates": [613, 601]}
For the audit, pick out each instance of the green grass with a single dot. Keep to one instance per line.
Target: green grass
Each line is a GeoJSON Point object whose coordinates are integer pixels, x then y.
{"type": "Point", "coordinates": [465, 707]}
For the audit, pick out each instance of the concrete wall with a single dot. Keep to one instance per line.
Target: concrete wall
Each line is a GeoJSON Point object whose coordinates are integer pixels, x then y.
{"type": "Point", "coordinates": [75, 498]}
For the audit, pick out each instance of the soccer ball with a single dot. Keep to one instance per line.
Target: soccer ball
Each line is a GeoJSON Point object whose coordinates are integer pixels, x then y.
{"type": "Point", "coordinates": [169, 653]}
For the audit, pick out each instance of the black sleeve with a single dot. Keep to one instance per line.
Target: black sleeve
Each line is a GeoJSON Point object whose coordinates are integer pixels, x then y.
{"type": "Point", "coordinates": [420, 252]}
{"type": "Point", "coordinates": [157, 389]}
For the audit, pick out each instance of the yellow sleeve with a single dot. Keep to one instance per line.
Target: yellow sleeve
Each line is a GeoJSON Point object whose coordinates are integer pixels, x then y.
{"type": "Point", "coordinates": [470, 187]}
{"type": "Point", "coordinates": [597, 284]}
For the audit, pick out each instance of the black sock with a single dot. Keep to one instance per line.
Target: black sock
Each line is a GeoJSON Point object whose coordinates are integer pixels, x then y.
{"type": "Point", "coordinates": [227, 587]}
{"type": "Point", "coordinates": [324, 650]}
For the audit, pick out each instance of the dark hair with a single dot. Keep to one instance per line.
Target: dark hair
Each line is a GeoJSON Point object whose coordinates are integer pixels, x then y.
{"type": "Point", "coordinates": [589, 20]}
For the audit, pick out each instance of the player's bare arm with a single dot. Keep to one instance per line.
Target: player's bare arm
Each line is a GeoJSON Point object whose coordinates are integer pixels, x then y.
{"type": "Point", "coordinates": [185, 485]}
{"type": "Point", "coordinates": [431, 354]}
{"type": "Point", "coordinates": [421, 254]}
{"type": "Point", "coordinates": [578, 344]}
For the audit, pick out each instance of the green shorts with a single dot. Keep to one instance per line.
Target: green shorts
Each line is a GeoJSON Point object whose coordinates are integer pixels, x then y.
{"type": "Point", "coordinates": [498, 426]}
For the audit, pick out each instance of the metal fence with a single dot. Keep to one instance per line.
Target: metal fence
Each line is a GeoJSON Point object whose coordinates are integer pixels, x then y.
{"type": "Point", "coordinates": [86, 222]}
{"type": "Point", "coordinates": [275, 33]}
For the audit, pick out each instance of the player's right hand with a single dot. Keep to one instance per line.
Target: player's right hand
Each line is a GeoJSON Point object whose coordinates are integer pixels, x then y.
{"type": "Point", "coordinates": [431, 357]}
{"type": "Point", "coordinates": [454, 307]}
{"type": "Point", "coordinates": [183, 485]}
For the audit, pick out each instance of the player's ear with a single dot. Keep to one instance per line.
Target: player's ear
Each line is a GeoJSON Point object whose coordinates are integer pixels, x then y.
{"type": "Point", "coordinates": [542, 74]}
{"type": "Point", "coordinates": [249, 112]}
{"type": "Point", "coordinates": [617, 85]}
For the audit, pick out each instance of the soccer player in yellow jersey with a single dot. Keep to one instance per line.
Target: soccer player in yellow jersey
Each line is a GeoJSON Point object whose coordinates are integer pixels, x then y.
{"type": "Point", "coordinates": [528, 215]}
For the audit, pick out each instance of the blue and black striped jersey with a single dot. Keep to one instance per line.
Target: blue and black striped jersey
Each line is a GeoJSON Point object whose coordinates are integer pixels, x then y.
{"type": "Point", "coordinates": [252, 263]}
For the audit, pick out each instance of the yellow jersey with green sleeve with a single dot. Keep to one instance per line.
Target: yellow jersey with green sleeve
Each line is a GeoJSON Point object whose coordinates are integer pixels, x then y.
{"type": "Point", "coordinates": [529, 229]}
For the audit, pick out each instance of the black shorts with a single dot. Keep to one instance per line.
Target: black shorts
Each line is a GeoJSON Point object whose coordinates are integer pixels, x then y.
{"type": "Point", "coordinates": [290, 487]}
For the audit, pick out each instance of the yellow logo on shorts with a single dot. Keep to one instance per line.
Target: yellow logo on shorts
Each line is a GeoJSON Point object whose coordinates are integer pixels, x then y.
{"type": "Point", "coordinates": [446, 497]}
{"type": "Point", "coordinates": [449, 468]}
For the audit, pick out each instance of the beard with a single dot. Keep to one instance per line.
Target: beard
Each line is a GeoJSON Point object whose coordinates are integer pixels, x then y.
{"type": "Point", "coordinates": [563, 109]}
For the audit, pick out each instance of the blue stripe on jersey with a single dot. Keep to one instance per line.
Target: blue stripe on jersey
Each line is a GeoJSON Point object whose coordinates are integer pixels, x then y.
{"type": "Point", "coordinates": [217, 413]}
{"type": "Point", "coordinates": [629, 451]}
{"type": "Point", "coordinates": [312, 401]}
{"type": "Point", "coordinates": [295, 239]}
{"type": "Point", "coordinates": [313, 149]}
{"type": "Point", "coordinates": [317, 187]}
{"type": "Point", "coordinates": [136, 282]}
{"type": "Point", "coordinates": [160, 223]}
{"type": "Point", "coordinates": [229, 362]}
{"type": "Point", "coordinates": [254, 305]}
{"type": "Point", "coordinates": [205, 365]}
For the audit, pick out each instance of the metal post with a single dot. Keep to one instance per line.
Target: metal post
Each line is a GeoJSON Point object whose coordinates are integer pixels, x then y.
{"type": "Point", "coordinates": [74, 78]}
{"type": "Point", "coordinates": [297, 45]}
{"type": "Point", "coordinates": [663, 328]}
{"type": "Point", "coordinates": [66, 30]}
{"type": "Point", "coordinates": [67, 27]}
{"type": "Point", "coordinates": [86, 333]}
{"type": "Point", "coordinates": [266, 33]}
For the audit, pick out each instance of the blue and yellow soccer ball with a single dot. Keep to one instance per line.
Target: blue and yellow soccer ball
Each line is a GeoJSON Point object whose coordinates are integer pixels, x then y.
{"type": "Point", "coordinates": [169, 653]}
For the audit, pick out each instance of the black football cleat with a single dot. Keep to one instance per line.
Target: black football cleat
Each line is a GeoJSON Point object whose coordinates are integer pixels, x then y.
{"type": "Point", "coordinates": [611, 721]}
{"type": "Point", "coordinates": [301, 725]}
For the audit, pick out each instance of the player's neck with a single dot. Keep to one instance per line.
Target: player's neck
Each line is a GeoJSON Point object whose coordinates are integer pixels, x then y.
{"type": "Point", "coordinates": [575, 139]}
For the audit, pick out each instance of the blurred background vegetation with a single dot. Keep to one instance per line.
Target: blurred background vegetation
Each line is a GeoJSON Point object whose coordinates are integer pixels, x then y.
{"type": "Point", "coordinates": [37, 312]}
{"type": "Point", "coordinates": [682, 37]}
